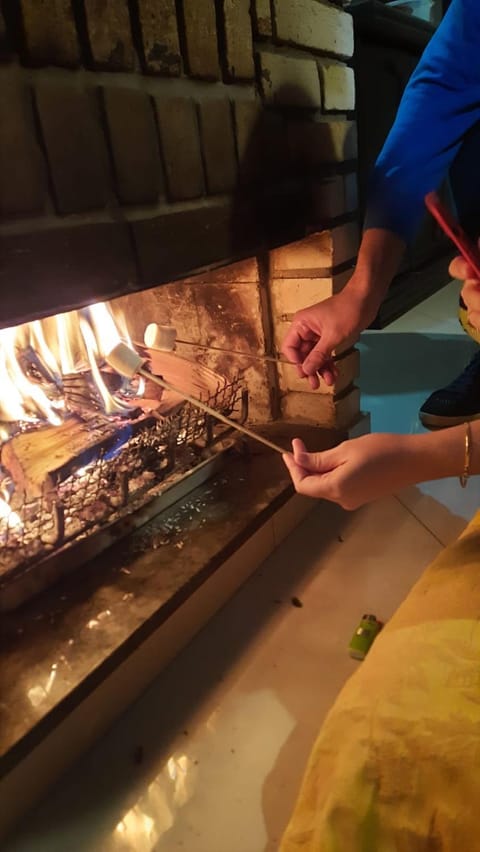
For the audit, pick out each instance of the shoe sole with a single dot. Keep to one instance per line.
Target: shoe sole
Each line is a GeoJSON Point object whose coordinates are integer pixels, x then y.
{"type": "Point", "coordinates": [439, 421]}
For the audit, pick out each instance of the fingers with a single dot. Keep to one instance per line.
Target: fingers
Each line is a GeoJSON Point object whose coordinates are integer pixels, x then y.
{"type": "Point", "coordinates": [471, 297]}
{"type": "Point", "coordinates": [314, 463]}
{"type": "Point", "coordinates": [298, 342]}
{"type": "Point", "coordinates": [297, 473]}
{"type": "Point", "coordinates": [302, 458]}
{"type": "Point", "coordinates": [314, 474]}
{"type": "Point", "coordinates": [459, 268]}
{"type": "Point", "coordinates": [320, 359]}
{"type": "Point", "coordinates": [471, 294]}
{"type": "Point", "coordinates": [474, 319]}
{"type": "Point", "coordinates": [310, 485]}
{"type": "Point", "coordinates": [329, 373]}
{"type": "Point", "coordinates": [311, 351]}
{"type": "Point", "coordinates": [298, 447]}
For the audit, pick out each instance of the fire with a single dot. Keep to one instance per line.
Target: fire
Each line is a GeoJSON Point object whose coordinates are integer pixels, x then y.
{"type": "Point", "coordinates": [22, 395]}
{"type": "Point", "coordinates": [36, 357]}
{"type": "Point", "coordinates": [111, 404]}
{"type": "Point", "coordinates": [8, 515]}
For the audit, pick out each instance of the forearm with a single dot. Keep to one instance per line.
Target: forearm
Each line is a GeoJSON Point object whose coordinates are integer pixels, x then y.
{"type": "Point", "coordinates": [436, 455]}
{"type": "Point", "coordinates": [378, 261]}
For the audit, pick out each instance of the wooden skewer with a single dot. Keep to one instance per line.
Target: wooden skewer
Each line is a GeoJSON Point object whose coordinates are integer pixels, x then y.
{"type": "Point", "coordinates": [126, 362]}
{"type": "Point", "coordinates": [274, 359]}
{"type": "Point", "coordinates": [163, 338]}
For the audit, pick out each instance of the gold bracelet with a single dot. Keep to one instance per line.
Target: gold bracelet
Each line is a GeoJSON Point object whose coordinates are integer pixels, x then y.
{"type": "Point", "coordinates": [468, 451]}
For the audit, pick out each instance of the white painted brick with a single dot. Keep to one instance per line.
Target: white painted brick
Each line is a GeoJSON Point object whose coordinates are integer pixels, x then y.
{"type": "Point", "coordinates": [263, 20]}
{"type": "Point", "coordinates": [338, 86]}
{"type": "Point", "coordinates": [289, 295]}
{"type": "Point", "coordinates": [316, 254]}
{"type": "Point", "coordinates": [332, 197]}
{"type": "Point", "coordinates": [328, 198]}
{"type": "Point", "coordinates": [238, 39]}
{"type": "Point", "coordinates": [314, 143]}
{"type": "Point", "coordinates": [290, 80]}
{"type": "Point", "coordinates": [322, 409]}
{"type": "Point", "coordinates": [313, 24]}
{"type": "Point", "coordinates": [346, 240]}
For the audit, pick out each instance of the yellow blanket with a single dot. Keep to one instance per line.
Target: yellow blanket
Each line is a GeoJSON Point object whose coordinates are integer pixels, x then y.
{"type": "Point", "coordinates": [396, 766]}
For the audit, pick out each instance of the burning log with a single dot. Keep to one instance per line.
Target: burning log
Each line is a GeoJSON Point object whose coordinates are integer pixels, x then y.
{"type": "Point", "coordinates": [37, 461]}
{"type": "Point", "coordinates": [80, 394]}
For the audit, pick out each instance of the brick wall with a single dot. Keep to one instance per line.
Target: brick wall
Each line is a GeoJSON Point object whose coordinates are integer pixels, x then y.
{"type": "Point", "coordinates": [302, 273]}
{"type": "Point", "coordinates": [143, 141]}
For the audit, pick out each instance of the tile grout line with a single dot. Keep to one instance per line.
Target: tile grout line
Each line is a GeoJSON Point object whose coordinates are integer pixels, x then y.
{"type": "Point", "coordinates": [422, 524]}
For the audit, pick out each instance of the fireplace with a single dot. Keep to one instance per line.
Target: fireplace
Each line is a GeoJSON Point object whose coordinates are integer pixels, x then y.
{"type": "Point", "coordinates": [182, 164]}
{"type": "Point", "coordinates": [82, 450]}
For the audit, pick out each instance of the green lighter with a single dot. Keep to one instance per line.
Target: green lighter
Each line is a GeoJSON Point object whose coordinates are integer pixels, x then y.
{"type": "Point", "coordinates": [364, 636]}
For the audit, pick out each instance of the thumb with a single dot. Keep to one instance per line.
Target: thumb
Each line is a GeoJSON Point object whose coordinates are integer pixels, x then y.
{"type": "Point", "coordinates": [319, 356]}
{"type": "Point", "coordinates": [314, 463]}
{"type": "Point", "coordinates": [460, 269]}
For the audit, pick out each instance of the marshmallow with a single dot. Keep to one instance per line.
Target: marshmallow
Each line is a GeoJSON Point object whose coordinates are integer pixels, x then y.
{"type": "Point", "coordinates": [124, 360]}
{"type": "Point", "coordinates": [161, 337]}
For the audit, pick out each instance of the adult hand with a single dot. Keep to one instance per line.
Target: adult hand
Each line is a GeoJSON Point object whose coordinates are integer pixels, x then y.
{"type": "Point", "coordinates": [357, 471]}
{"type": "Point", "coordinates": [460, 269]}
{"type": "Point", "coordinates": [316, 331]}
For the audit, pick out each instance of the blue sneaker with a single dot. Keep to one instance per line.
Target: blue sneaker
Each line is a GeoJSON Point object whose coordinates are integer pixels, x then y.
{"type": "Point", "coordinates": [457, 402]}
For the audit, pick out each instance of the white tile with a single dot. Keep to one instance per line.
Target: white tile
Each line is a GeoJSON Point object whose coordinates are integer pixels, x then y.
{"type": "Point", "coordinates": [416, 320]}
{"type": "Point", "coordinates": [290, 515]}
{"type": "Point", "coordinates": [443, 506]}
{"type": "Point", "coordinates": [443, 303]}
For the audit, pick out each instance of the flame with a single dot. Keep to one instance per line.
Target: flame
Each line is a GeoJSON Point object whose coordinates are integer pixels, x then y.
{"type": "Point", "coordinates": [40, 344]}
{"type": "Point", "coordinates": [112, 405]}
{"type": "Point", "coordinates": [21, 390]}
{"type": "Point", "coordinates": [104, 326]}
{"type": "Point", "coordinates": [7, 514]}
{"type": "Point", "coordinates": [34, 358]}
{"type": "Point", "coordinates": [65, 343]}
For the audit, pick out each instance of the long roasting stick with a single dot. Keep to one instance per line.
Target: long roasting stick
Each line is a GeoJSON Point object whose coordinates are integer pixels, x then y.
{"type": "Point", "coordinates": [164, 338]}
{"type": "Point", "coordinates": [274, 359]}
{"type": "Point", "coordinates": [126, 362]}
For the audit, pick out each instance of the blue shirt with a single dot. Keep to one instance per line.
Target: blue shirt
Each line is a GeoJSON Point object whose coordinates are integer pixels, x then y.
{"type": "Point", "coordinates": [437, 126]}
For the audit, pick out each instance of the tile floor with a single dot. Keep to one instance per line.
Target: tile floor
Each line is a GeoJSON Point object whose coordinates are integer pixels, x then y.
{"type": "Point", "coordinates": [226, 730]}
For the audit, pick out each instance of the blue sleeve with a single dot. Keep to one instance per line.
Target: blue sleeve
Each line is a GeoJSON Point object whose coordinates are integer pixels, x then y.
{"type": "Point", "coordinates": [440, 104]}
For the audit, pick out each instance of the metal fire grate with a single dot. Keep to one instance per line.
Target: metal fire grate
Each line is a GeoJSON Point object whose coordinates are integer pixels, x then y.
{"type": "Point", "coordinates": [135, 456]}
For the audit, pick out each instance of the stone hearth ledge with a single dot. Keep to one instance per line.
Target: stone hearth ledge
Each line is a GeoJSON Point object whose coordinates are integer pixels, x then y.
{"type": "Point", "coordinates": [74, 658]}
